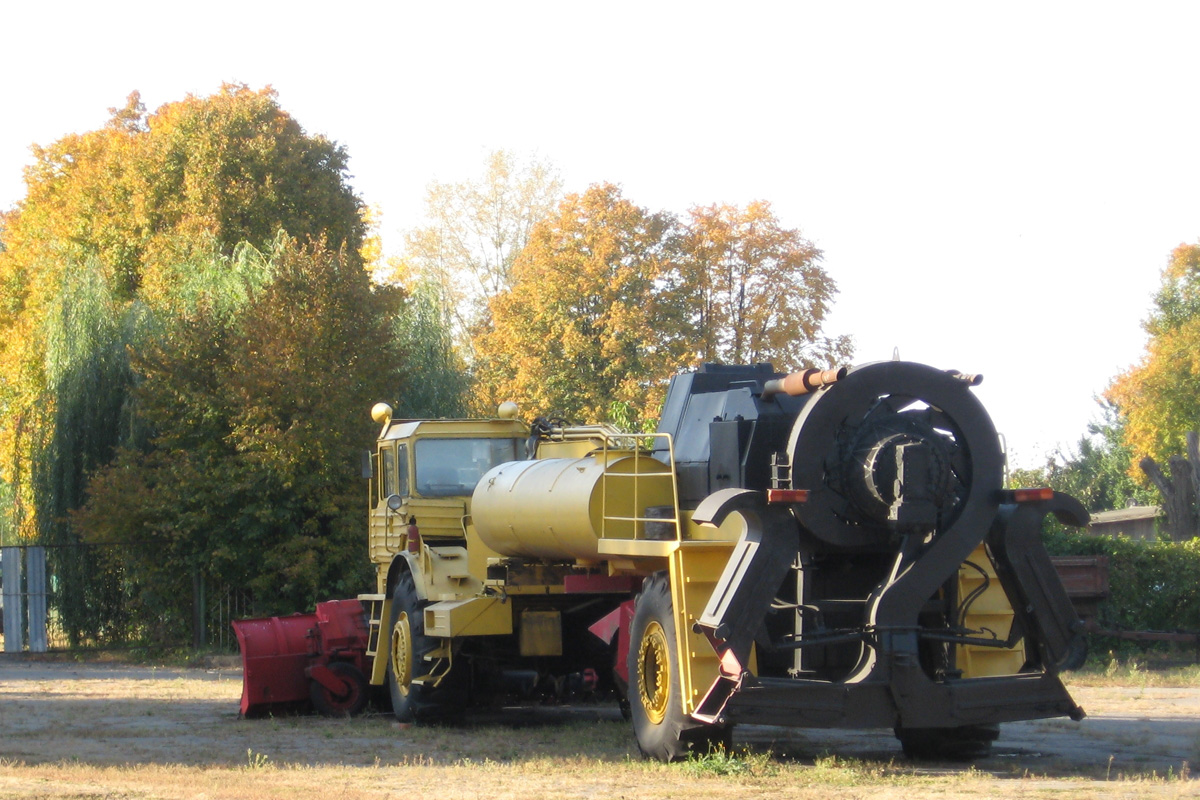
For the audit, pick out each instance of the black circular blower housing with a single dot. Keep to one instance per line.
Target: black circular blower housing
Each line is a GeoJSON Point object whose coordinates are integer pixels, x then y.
{"type": "Point", "coordinates": [894, 448]}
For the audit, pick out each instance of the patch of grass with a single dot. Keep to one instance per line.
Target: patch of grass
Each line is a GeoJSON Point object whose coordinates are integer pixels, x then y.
{"type": "Point", "coordinates": [838, 770]}
{"type": "Point", "coordinates": [720, 761]}
{"type": "Point", "coordinates": [1172, 775]}
{"type": "Point", "coordinates": [1135, 672]}
{"type": "Point", "coordinates": [257, 760]}
{"type": "Point", "coordinates": [142, 656]}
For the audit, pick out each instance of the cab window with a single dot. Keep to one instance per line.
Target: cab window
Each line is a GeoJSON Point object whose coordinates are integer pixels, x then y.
{"type": "Point", "coordinates": [387, 482]}
{"type": "Point", "coordinates": [402, 470]}
{"type": "Point", "coordinates": [452, 467]}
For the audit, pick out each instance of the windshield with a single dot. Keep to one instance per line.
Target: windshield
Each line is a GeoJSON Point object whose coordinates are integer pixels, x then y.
{"type": "Point", "coordinates": [449, 467]}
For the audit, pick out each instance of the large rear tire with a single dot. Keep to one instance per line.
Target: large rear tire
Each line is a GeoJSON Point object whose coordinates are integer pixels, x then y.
{"type": "Point", "coordinates": [663, 730]}
{"type": "Point", "coordinates": [408, 646]}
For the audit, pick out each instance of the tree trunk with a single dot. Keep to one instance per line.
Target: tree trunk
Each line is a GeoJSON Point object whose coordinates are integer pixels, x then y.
{"type": "Point", "coordinates": [1179, 495]}
{"type": "Point", "coordinates": [1193, 457]}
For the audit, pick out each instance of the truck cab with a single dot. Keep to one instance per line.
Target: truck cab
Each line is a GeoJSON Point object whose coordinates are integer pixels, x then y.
{"type": "Point", "coordinates": [421, 479]}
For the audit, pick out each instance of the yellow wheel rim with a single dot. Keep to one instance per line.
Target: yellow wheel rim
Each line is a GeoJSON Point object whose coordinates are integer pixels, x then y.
{"type": "Point", "coordinates": [654, 672]}
{"type": "Point", "coordinates": [402, 653]}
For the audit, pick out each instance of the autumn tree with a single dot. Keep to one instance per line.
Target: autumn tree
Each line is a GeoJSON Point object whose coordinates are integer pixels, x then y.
{"type": "Point", "coordinates": [124, 267]}
{"type": "Point", "coordinates": [581, 328]}
{"type": "Point", "coordinates": [1159, 398]}
{"type": "Point", "coordinates": [233, 166]}
{"type": "Point", "coordinates": [609, 299]}
{"type": "Point", "coordinates": [473, 232]}
{"type": "Point", "coordinates": [754, 290]}
{"type": "Point", "coordinates": [110, 213]}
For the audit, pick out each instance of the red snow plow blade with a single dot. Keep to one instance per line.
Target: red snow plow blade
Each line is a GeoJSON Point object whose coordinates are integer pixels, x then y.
{"type": "Point", "coordinates": [281, 656]}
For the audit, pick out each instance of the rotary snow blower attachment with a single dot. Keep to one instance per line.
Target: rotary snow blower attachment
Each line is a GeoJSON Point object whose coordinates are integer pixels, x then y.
{"type": "Point", "coordinates": [316, 658]}
{"type": "Point", "coordinates": [892, 486]}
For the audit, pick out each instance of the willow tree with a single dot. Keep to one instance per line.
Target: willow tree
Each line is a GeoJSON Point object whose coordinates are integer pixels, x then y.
{"type": "Point", "coordinates": [439, 383]}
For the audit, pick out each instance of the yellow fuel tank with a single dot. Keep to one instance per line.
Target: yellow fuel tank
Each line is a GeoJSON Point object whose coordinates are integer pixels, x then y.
{"type": "Point", "coordinates": [557, 509]}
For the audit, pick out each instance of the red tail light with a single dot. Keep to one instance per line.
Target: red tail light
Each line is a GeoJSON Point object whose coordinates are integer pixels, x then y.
{"type": "Point", "coordinates": [1032, 495]}
{"type": "Point", "coordinates": [787, 495]}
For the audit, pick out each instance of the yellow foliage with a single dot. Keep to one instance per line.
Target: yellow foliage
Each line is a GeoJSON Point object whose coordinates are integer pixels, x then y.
{"type": "Point", "coordinates": [1160, 396]}
{"type": "Point", "coordinates": [608, 300]}
{"type": "Point", "coordinates": [580, 328]}
{"type": "Point", "coordinates": [755, 290]}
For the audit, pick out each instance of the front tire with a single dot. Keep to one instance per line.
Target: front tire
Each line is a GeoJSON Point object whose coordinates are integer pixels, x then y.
{"type": "Point", "coordinates": [407, 647]}
{"type": "Point", "coordinates": [663, 730]}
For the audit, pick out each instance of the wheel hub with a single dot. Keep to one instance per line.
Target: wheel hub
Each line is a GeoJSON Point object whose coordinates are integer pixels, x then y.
{"type": "Point", "coordinates": [654, 673]}
{"type": "Point", "coordinates": [401, 653]}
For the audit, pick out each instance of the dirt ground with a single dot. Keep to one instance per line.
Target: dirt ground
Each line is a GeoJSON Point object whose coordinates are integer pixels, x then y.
{"type": "Point", "coordinates": [132, 719]}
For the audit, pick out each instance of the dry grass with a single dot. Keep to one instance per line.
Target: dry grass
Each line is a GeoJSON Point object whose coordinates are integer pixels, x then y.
{"type": "Point", "coordinates": [544, 778]}
{"type": "Point", "coordinates": [1139, 672]}
{"type": "Point", "coordinates": [110, 731]}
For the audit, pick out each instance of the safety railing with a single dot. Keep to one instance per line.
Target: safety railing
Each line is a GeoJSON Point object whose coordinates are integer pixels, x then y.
{"type": "Point", "coordinates": [663, 523]}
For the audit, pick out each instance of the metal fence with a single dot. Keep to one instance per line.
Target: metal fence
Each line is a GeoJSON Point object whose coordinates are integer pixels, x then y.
{"type": "Point", "coordinates": [79, 597]}
{"type": "Point", "coordinates": [219, 606]}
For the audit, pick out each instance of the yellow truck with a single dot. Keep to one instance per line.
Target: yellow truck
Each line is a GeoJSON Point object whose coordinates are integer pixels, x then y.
{"type": "Point", "coordinates": [822, 549]}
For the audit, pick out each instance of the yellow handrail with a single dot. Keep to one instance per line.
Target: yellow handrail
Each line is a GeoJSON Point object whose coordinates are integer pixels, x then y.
{"type": "Point", "coordinates": [642, 446]}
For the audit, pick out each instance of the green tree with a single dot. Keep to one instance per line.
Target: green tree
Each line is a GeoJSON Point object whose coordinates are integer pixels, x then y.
{"type": "Point", "coordinates": [1096, 471]}
{"type": "Point", "coordinates": [257, 396]}
{"type": "Point", "coordinates": [473, 232]}
{"type": "Point", "coordinates": [437, 383]}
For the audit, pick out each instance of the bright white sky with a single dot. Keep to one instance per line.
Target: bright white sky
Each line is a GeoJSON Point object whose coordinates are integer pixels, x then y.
{"type": "Point", "coordinates": [995, 187]}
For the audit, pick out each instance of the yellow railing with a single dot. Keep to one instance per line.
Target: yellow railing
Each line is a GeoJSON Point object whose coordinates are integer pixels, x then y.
{"type": "Point", "coordinates": [641, 446]}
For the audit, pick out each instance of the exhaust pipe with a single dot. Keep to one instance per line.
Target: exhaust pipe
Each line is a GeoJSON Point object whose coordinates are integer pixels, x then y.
{"type": "Point", "coordinates": [803, 382]}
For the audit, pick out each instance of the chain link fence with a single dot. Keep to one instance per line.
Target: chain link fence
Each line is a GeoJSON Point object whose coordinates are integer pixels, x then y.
{"type": "Point", "coordinates": [60, 598]}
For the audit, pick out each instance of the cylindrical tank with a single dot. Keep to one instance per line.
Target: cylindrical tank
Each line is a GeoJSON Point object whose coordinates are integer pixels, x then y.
{"type": "Point", "coordinates": [556, 509]}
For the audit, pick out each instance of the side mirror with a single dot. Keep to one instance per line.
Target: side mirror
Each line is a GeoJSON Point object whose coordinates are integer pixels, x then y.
{"type": "Point", "coordinates": [394, 502]}
{"type": "Point", "coordinates": [368, 465]}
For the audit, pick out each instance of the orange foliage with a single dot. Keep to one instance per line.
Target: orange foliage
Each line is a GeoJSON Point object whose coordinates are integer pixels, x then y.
{"type": "Point", "coordinates": [609, 299]}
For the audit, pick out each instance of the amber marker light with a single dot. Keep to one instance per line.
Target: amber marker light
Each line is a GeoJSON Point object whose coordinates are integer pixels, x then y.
{"type": "Point", "coordinates": [1032, 495]}
{"type": "Point", "coordinates": [787, 495]}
